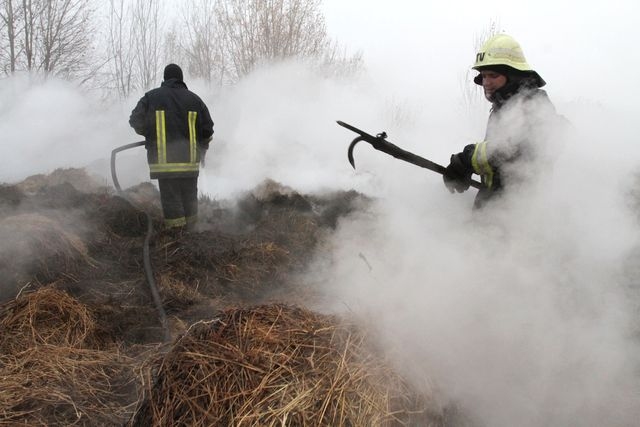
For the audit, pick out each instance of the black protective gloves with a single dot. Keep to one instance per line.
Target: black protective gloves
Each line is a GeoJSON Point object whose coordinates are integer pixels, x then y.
{"type": "Point", "coordinates": [457, 176]}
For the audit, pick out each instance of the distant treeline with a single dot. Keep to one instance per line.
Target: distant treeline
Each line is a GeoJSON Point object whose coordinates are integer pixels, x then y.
{"type": "Point", "coordinates": [121, 46]}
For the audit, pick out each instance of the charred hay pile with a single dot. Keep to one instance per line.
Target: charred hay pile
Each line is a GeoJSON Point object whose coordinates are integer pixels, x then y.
{"type": "Point", "coordinates": [81, 342]}
{"type": "Point", "coordinates": [54, 367]}
{"type": "Point", "coordinates": [58, 250]}
{"type": "Point", "coordinates": [278, 365]}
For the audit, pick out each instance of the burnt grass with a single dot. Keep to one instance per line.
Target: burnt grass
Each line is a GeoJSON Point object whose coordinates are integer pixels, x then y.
{"type": "Point", "coordinates": [72, 265]}
{"type": "Point", "coordinates": [246, 251]}
{"type": "Point", "coordinates": [64, 235]}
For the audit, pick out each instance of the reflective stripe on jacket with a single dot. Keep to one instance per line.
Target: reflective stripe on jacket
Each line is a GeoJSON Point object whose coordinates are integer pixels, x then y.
{"type": "Point", "coordinates": [515, 128]}
{"type": "Point", "coordinates": [176, 125]}
{"type": "Point", "coordinates": [481, 164]}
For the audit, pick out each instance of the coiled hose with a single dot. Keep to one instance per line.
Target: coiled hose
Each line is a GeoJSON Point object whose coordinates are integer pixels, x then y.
{"type": "Point", "coordinates": [145, 250]}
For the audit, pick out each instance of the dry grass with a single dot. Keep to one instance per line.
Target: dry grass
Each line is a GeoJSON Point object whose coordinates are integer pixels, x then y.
{"type": "Point", "coordinates": [66, 363]}
{"type": "Point", "coordinates": [253, 264]}
{"type": "Point", "coordinates": [45, 317]}
{"type": "Point", "coordinates": [78, 178]}
{"type": "Point", "coordinates": [289, 229]}
{"type": "Point", "coordinates": [176, 294]}
{"type": "Point", "coordinates": [59, 386]}
{"type": "Point", "coordinates": [34, 243]}
{"type": "Point", "coordinates": [278, 365]}
{"type": "Point", "coordinates": [215, 264]}
{"type": "Point", "coordinates": [50, 372]}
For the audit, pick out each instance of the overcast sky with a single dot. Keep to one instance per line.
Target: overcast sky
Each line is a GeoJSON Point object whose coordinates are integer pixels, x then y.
{"type": "Point", "coordinates": [584, 49]}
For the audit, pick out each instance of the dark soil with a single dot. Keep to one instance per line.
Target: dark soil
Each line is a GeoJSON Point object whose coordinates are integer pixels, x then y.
{"type": "Point", "coordinates": [246, 249]}
{"type": "Point", "coordinates": [82, 239]}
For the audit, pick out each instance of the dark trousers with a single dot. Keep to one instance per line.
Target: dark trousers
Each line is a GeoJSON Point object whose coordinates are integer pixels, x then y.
{"type": "Point", "coordinates": [179, 198]}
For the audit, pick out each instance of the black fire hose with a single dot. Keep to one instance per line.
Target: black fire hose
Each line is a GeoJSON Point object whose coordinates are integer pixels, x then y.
{"type": "Point", "coordinates": [145, 251]}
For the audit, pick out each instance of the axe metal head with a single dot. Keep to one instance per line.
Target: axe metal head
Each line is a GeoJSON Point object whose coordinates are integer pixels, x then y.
{"type": "Point", "coordinates": [350, 151]}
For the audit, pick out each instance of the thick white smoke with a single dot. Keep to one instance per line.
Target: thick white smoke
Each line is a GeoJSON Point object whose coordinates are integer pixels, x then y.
{"type": "Point", "coordinates": [523, 314]}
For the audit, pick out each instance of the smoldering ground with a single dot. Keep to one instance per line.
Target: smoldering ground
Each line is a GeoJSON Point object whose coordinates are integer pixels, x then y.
{"type": "Point", "coordinates": [522, 313]}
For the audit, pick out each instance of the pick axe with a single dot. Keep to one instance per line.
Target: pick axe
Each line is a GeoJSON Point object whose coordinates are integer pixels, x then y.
{"type": "Point", "coordinates": [380, 143]}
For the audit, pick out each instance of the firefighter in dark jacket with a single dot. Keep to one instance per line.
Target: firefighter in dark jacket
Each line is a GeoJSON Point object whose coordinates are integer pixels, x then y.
{"type": "Point", "coordinates": [177, 128]}
{"type": "Point", "coordinates": [522, 119]}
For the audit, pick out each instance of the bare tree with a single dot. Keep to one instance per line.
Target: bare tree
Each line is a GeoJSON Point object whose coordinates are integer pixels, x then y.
{"type": "Point", "coordinates": [64, 44]}
{"type": "Point", "coordinates": [201, 44]}
{"type": "Point", "coordinates": [337, 62]}
{"type": "Point", "coordinates": [134, 45]}
{"type": "Point", "coordinates": [257, 31]}
{"type": "Point", "coordinates": [50, 36]}
{"type": "Point", "coordinates": [471, 94]}
{"type": "Point", "coordinates": [9, 23]}
{"type": "Point", "coordinates": [30, 10]}
{"type": "Point", "coordinates": [121, 59]}
{"type": "Point", "coordinates": [172, 47]}
{"type": "Point", "coordinates": [147, 40]}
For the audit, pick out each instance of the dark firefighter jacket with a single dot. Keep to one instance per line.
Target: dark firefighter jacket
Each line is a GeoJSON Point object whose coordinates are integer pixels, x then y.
{"type": "Point", "coordinates": [177, 127]}
{"type": "Point", "coordinates": [516, 131]}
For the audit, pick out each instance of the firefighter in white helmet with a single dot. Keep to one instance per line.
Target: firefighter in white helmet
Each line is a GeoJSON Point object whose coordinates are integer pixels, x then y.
{"type": "Point", "coordinates": [521, 115]}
